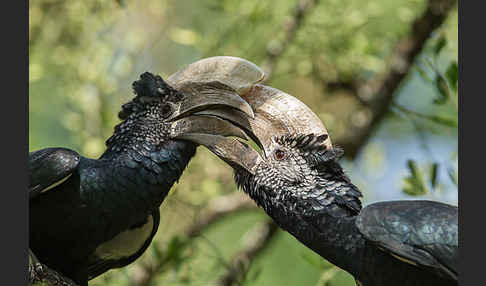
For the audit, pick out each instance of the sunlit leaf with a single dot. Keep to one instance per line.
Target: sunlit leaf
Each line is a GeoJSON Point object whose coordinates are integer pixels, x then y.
{"type": "Point", "coordinates": [414, 184]}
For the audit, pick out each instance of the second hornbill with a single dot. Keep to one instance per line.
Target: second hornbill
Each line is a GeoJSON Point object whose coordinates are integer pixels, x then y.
{"type": "Point", "coordinates": [91, 215]}
{"type": "Point", "coordinates": [298, 181]}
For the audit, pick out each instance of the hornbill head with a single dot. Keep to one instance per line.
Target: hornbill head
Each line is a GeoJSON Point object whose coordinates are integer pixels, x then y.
{"type": "Point", "coordinates": [201, 99]}
{"type": "Point", "coordinates": [297, 171]}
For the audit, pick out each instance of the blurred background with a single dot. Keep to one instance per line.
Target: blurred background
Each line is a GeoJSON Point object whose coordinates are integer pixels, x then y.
{"type": "Point", "coordinates": [382, 75]}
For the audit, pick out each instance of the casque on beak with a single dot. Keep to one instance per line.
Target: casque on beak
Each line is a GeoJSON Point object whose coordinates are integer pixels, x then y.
{"type": "Point", "coordinates": [276, 114]}
{"type": "Point", "coordinates": [212, 105]}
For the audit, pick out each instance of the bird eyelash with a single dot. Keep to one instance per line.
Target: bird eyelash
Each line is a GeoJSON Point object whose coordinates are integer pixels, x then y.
{"type": "Point", "coordinates": [305, 142]}
{"type": "Point", "coordinates": [310, 143]}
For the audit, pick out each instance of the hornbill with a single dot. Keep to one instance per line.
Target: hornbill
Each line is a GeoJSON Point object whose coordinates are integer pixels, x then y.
{"type": "Point", "coordinates": [299, 183]}
{"type": "Point", "coordinates": [91, 215]}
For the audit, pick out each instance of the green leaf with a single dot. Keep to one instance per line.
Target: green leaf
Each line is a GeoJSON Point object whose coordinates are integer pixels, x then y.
{"type": "Point", "coordinates": [157, 253]}
{"type": "Point", "coordinates": [441, 43]}
{"type": "Point", "coordinates": [444, 121]}
{"type": "Point", "coordinates": [433, 175]}
{"type": "Point", "coordinates": [174, 248]}
{"type": "Point", "coordinates": [452, 75]}
{"type": "Point", "coordinates": [452, 176]}
{"type": "Point", "coordinates": [443, 89]}
{"type": "Point", "coordinates": [414, 184]}
{"type": "Point", "coordinates": [412, 166]}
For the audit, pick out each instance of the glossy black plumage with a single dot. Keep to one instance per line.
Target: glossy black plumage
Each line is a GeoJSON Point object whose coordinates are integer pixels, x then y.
{"type": "Point", "coordinates": [308, 194]}
{"type": "Point", "coordinates": [423, 232]}
{"type": "Point", "coordinates": [49, 166]}
{"type": "Point", "coordinates": [101, 199]}
{"type": "Point", "coordinates": [91, 215]}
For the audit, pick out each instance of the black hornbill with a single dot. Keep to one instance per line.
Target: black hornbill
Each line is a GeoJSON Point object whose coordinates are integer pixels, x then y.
{"type": "Point", "coordinates": [299, 183]}
{"type": "Point", "coordinates": [91, 215]}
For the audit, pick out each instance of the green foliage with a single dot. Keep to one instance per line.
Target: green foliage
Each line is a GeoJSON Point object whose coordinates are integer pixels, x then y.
{"type": "Point", "coordinates": [453, 176]}
{"type": "Point", "coordinates": [175, 253]}
{"type": "Point", "coordinates": [433, 175]}
{"type": "Point", "coordinates": [452, 75]}
{"type": "Point", "coordinates": [414, 182]}
{"type": "Point", "coordinates": [441, 85]}
{"type": "Point", "coordinates": [424, 179]}
{"type": "Point", "coordinates": [441, 43]}
{"type": "Point", "coordinates": [445, 82]}
{"type": "Point", "coordinates": [446, 87]}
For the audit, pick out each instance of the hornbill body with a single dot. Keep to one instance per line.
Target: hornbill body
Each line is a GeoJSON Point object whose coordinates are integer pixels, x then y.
{"type": "Point", "coordinates": [91, 215]}
{"type": "Point", "coordinates": [298, 181]}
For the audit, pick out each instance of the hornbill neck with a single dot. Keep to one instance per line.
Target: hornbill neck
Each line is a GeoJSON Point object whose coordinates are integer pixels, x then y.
{"type": "Point", "coordinates": [138, 132]}
{"type": "Point", "coordinates": [143, 134]}
{"type": "Point", "coordinates": [141, 153]}
{"type": "Point", "coordinates": [322, 218]}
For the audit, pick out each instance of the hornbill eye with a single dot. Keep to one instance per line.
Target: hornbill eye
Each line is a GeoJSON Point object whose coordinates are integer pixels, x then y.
{"type": "Point", "coordinates": [166, 110]}
{"type": "Point", "coordinates": [279, 154]}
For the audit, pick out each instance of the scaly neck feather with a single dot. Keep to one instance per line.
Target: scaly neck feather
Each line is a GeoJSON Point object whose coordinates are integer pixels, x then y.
{"type": "Point", "coordinates": [322, 217]}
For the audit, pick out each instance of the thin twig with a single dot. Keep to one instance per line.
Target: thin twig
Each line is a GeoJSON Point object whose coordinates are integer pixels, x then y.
{"type": "Point", "coordinates": [432, 118]}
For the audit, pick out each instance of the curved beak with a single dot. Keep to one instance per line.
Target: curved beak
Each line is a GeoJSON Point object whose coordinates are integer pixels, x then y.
{"type": "Point", "coordinates": [212, 104]}
{"type": "Point", "coordinates": [276, 114]}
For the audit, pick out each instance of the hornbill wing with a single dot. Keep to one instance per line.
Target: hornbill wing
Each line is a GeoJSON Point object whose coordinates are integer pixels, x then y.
{"type": "Point", "coordinates": [113, 254]}
{"type": "Point", "coordinates": [423, 233]}
{"type": "Point", "coordinates": [50, 167]}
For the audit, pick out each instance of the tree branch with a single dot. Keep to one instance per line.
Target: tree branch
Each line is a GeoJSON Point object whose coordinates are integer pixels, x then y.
{"type": "Point", "coordinates": [379, 91]}
{"type": "Point", "coordinates": [39, 274]}
{"type": "Point", "coordinates": [273, 54]}
{"type": "Point", "coordinates": [260, 238]}
{"type": "Point", "coordinates": [218, 209]}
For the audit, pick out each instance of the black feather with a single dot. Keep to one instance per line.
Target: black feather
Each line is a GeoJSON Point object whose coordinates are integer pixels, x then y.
{"type": "Point", "coordinates": [318, 204]}
{"type": "Point", "coordinates": [92, 201]}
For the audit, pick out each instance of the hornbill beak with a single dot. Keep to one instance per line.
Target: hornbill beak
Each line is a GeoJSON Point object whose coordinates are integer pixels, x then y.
{"type": "Point", "coordinates": [212, 105]}
{"type": "Point", "coordinates": [276, 114]}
